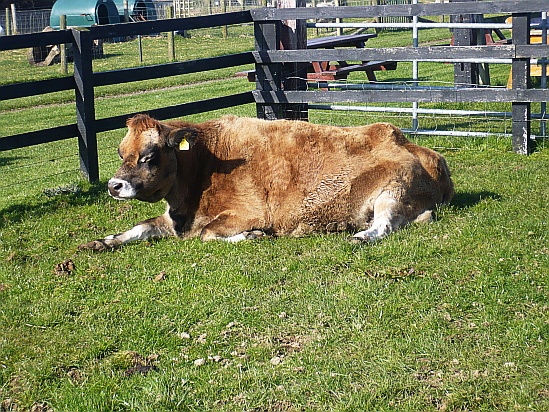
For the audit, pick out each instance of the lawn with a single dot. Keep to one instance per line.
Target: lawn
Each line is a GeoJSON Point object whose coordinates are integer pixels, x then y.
{"type": "Point", "coordinates": [452, 315]}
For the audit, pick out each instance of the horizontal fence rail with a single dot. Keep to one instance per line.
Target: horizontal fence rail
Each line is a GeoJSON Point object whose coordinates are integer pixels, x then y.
{"type": "Point", "coordinates": [435, 53]}
{"type": "Point", "coordinates": [23, 41]}
{"type": "Point", "coordinates": [116, 122]}
{"type": "Point", "coordinates": [184, 109]}
{"type": "Point", "coordinates": [171, 69]}
{"type": "Point", "coordinates": [397, 10]}
{"type": "Point", "coordinates": [17, 90]}
{"type": "Point", "coordinates": [469, 95]}
{"type": "Point", "coordinates": [430, 25]}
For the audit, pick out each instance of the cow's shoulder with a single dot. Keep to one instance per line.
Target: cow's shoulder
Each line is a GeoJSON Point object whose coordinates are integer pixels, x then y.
{"type": "Point", "coordinates": [234, 134]}
{"type": "Point", "coordinates": [386, 134]}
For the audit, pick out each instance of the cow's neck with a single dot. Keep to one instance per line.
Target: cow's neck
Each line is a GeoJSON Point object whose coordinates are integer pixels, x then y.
{"type": "Point", "coordinates": [184, 196]}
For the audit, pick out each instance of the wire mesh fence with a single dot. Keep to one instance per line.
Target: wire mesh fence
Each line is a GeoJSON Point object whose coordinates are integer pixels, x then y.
{"type": "Point", "coordinates": [34, 21]}
{"type": "Point", "coordinates": [27, 21]}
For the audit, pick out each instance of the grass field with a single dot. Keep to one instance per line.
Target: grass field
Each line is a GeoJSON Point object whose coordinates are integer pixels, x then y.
{"type": "Point", "coordinates": [450, 316]}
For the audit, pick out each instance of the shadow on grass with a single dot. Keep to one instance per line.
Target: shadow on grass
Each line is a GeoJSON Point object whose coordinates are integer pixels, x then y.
{"type": "Point", "coordinates": [45, 204]}
{"type": "Point", "coordinates": [111, 55]}
{"type": "Point", "coordinates": [468, 199]}
{"type": "Point", "coordinates": [9, 160]}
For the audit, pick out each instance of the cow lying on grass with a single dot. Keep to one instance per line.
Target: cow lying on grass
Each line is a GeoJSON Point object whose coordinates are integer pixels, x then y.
{"type": "Point", "coordinates": [235, 178]}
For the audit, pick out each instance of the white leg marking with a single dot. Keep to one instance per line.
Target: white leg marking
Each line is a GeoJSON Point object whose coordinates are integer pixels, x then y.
{"type": "Point", "coordinates": [425, 217]}
{"type": "Point", "coordinates": [235, 238]}
{"type": "Point", "coordinates": [381, 227]}
{"type": "Point", "coordinates": [385, 221]}
{"type": "Point", "coordinates": [138, 232]}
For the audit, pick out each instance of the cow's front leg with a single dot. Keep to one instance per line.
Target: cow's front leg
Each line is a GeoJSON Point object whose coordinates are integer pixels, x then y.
{"type": "Point", "coordinates": [231, 227]}
{"type": "Point", "coordinates": [152, 228]}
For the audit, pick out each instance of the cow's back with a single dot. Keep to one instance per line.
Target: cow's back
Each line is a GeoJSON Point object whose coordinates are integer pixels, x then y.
{"type": "Point", "coordinates": [295, 158]}
{"type": "Point", "coordinates": [301, 177]}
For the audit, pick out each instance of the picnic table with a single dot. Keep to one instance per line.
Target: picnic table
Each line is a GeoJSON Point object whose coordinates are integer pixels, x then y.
{"type": "Point", "coordinates": [325, 71]}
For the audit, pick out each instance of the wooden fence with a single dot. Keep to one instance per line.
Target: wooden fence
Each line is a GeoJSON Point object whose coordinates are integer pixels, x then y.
{"type": "Point", "coordinates": [275, 95]}
{"type": "Point", "coordinates": [85, 80]}
{"type": "Point", "coordinates": [520, 53]}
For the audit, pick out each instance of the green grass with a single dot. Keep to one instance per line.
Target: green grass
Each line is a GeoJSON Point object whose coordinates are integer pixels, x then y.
{"type": "Point", "coordinates": [453, 313]}
{"type": "Point", "coordinates": [447, 316]}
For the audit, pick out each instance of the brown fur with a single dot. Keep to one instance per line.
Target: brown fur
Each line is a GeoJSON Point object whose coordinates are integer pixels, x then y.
{"type": "Point", "coordinates": [287, 178]}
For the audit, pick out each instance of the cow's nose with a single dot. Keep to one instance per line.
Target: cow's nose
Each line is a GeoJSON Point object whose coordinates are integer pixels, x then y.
{"type": "Point", "coordinates": [121, 189]}
{"type": "Point", "coordinates": [115, 186]}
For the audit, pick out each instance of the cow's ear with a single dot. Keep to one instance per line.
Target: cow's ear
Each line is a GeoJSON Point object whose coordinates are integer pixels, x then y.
{"type": "Point", "coordinates": [182, 138]}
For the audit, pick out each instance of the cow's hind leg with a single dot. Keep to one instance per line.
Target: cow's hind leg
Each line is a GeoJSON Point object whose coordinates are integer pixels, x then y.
{"type": "Point", "coordinates": [231, 227]}
{"type": "Point", "coordinates": [389, 215]}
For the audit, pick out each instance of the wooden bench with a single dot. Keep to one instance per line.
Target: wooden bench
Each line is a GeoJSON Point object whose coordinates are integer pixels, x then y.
{"type": "Point", "coordinates": [325, 71]}
{"type": "Point", "coordinates": [340, 72]}
{"type": "Point", "coordinates": [348, 40]}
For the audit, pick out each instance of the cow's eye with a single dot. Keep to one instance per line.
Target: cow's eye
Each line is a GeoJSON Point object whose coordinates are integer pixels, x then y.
{"type": "Point", "coordinates": [120, 155]}
{"type": "Point", "coordinates": [147, 158]}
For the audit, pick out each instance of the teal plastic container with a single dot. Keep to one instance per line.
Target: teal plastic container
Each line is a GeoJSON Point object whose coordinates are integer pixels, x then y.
{"type": "Point", "coordinates": [139, 10]}
{"type": "Point", "coordinates": [84, 13]}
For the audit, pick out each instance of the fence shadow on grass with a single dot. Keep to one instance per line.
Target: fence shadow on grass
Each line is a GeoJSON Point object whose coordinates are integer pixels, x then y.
{"type": "Point", "coordinates": [111, 55]}
{"type": "Point", "coordinates": [50, 202]}
{"type": "Point", "coordinates": [9, 160]}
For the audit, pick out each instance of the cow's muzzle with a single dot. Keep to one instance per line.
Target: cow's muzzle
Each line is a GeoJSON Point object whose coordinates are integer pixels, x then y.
{"type": "Point", "coordinates": [121, 189]}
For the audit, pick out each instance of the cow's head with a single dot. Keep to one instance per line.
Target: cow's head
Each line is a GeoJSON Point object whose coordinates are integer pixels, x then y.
{"type": "Point", "coordinates": [149, 165]}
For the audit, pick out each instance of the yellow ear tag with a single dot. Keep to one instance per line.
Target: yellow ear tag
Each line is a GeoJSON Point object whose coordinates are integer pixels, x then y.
{"type": "Point", "coordinates": [184, 145]}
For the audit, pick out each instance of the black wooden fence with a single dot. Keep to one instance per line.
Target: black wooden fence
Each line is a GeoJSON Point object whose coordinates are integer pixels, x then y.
{"type": "Point", "coordinates": [85, 80]}
{"type": "Point", "coordinates": [520, 52]}
{"type": "Point", "coordinates": [273, 96]}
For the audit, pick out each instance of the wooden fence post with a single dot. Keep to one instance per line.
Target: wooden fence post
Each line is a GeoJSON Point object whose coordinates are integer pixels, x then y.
{"type": "Point", "coordinates": [224, 29]}
{"type": "Point", "coordinates": [273, 77]}
{"type": "Point", "coordinates": [8, 22]}
{"type": "Point", "coordinates": [465, 74]}
{"type": "Point", "coordinates": [13, 20]}
{"type": "Point", "coordinates": [171, 44]}
{"type": "Point", "coordinates": [339, 30]}
{"type": "Point", "coordinates": [85, 106]}
{"type": "Point", "coordinates": [268, 76]}
{"type": "Point", "coordinates": [63, 47]}
{"type": "Point", "coordinates": [293, 36]}
{"type": "Point", "coordinates": [126, 12]}
{"type": "Point", "coordinates": [521, 79]}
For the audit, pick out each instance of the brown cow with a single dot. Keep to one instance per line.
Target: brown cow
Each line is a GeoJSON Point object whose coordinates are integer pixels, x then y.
{"type": "Point", "coordinates": [235, 178]}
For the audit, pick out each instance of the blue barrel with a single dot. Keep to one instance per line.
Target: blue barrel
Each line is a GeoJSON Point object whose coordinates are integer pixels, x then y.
{"type": "Point", "coordinates": [84, 13]}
